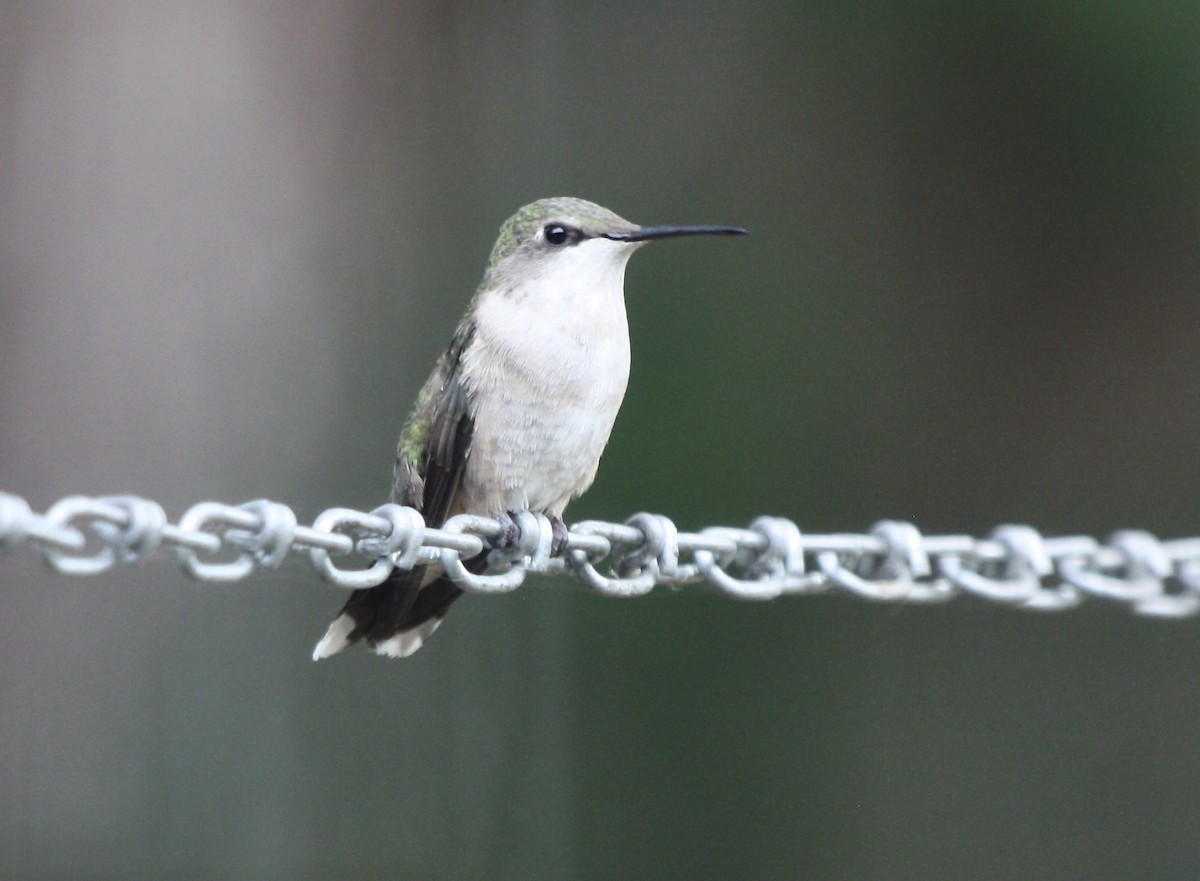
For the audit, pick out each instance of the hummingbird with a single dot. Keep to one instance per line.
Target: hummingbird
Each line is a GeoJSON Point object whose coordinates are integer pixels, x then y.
{"type": "Point", "coordinates": [518, 408]}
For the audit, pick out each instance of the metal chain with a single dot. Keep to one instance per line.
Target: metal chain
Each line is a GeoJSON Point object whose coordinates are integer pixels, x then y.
{"type": "Point", "coordinates": [894, 562]}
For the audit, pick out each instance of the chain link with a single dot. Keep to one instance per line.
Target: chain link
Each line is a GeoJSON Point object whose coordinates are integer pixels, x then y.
{"type": "Point", "coordinates": [894, 562]}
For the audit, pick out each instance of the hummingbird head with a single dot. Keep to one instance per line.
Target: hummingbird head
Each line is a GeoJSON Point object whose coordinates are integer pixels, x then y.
{"type": "Point", "coordinates": [567, 236]}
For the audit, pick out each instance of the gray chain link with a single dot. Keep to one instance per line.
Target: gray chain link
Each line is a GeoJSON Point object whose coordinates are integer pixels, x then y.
{"type": "Point", "coordinates": [894, 562]}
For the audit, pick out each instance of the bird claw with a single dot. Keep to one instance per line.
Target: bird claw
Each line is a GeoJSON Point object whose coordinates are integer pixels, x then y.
{"type": "Point", "coordinates": [560, 536]}
{"type": "Point", "coordinates": [510, 531]}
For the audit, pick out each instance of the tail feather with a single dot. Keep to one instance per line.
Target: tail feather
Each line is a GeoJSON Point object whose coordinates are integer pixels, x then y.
{"type": "Point", "coordinates": [395, 618]}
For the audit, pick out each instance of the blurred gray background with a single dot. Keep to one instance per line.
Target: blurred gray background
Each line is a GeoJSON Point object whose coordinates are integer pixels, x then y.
{"type": "Point", "coordinates": [233, 239]}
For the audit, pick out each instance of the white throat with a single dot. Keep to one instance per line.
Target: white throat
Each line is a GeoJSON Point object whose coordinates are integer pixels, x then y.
{"type": "Point", "coordinates": [567, 314]}
{"type": "Point", "coordinates": [547, 370]}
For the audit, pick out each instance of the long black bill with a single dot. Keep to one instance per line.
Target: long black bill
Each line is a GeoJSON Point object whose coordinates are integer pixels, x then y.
{"type": "Point", "coordinates": [662, 232]}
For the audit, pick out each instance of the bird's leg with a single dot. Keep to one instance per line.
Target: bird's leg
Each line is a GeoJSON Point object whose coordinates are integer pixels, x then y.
{"type": "Point", "coordinates": [558, 543]}
{"type": "Point", "coordinates": [510, 532]}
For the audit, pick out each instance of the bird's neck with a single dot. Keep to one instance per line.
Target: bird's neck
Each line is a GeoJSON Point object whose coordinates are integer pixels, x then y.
{"type": "Point", "coordinates": [556, 335]}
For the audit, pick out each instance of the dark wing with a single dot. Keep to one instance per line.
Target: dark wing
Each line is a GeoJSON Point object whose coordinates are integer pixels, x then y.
{"type": "Point", "coordinates": [430, 458]}
{"type": "Point", "coordinates": [437, 439]}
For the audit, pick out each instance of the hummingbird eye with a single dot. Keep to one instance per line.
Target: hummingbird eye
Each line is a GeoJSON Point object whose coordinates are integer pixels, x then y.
{"type": "Point", "coordinates": [556, 233]}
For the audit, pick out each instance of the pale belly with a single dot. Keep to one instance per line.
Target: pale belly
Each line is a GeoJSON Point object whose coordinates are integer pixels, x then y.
{"type": "Point", "coordinates": [540, 429]}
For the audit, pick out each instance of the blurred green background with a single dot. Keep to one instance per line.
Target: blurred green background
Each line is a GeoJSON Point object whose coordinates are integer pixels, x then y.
{"type": "Point", "coordinates": [233, 239]}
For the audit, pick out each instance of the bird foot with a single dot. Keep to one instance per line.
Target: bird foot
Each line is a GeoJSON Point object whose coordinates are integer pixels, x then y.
{"type": "Point", "coordinates": [510, 531]}
{"type": "Point", "coordinates": [560, 536]}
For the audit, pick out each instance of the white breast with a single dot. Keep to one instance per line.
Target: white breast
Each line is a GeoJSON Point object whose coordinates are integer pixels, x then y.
{"type": "Point", "coordinates": [546, 373]}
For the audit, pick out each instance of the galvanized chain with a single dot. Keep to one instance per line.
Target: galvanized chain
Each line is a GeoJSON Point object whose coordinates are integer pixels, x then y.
{"type": "Point", "coordinates": [894, 562]}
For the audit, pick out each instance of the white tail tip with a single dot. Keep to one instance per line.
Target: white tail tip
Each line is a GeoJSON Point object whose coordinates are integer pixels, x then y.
{"type": "Point", "coordinates": [336, 638]}
{"type": "Point", "coordinates": [405, 643]}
